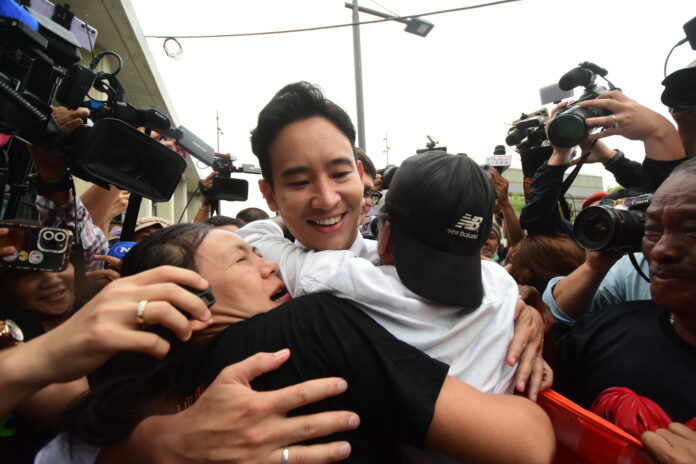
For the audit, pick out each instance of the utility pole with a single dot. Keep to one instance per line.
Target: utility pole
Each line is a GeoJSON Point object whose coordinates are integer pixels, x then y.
{"type": "Point", "coordinates": [386, 147]}
{"type": "Point", "coordinates": [218, 130]}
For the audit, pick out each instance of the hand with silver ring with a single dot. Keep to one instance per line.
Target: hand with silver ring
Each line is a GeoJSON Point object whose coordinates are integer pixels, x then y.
{"type": "Point", "coordinates": [140, 311]}
{"type": "Point", "coordinates": [614, 122]}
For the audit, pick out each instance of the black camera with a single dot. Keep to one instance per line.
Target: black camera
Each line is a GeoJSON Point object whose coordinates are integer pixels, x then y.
{"type": "Point", "coordinates": [567, 128]}
{"type": "Point", "coordinates": [528, 137]}
{"type": "Point", "coordinates": [38, 61]}
{"type": "Point", "coordinates": [604, 227]}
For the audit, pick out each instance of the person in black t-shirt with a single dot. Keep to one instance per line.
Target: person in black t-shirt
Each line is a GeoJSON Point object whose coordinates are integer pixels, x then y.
{"type": "Point", "coordinates": [401, 394]}
{"type": "Point", "coordinates": [647, 346]}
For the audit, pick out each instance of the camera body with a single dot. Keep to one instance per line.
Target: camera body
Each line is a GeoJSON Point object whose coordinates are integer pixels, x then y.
{"type": "Point", "coordinates": [602, 227]}
{"type": "Point", "coordinates": [568, 128]}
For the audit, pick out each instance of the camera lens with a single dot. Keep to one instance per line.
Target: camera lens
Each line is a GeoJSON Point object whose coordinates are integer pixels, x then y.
{"type": "Point", "coordinates": [567, 130]}
{"type": "Point", "coordinates": [604, 228]}
{"type": "Point", "coordinates": [595, 227]}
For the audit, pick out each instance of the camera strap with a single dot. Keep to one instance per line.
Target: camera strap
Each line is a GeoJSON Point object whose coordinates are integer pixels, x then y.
{"type": "Point", "coordinates": [638, 269]}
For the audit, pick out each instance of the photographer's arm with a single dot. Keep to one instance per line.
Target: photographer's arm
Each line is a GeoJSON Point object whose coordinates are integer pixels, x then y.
{"type": "Point", "coordinates": [203, 212]}
{"type": "Point", "coordinates": [574, 293]}
{"type": "Point", "coordinates": [511, 222]}
{"type": "Point", "coordinates": [103, 205]}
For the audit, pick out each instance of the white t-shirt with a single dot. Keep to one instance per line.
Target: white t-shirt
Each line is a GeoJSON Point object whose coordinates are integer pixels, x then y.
{"type": "Point", "coordinates": [473, 342]}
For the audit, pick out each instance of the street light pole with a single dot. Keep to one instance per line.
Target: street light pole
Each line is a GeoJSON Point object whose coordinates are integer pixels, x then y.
{"type": "Point", "coordinates": [414, 25]}
{"type": "Point", "coordinates": [357, 59]}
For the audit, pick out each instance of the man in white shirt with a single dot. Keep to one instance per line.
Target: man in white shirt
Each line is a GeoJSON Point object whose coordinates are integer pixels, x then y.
{"type": "Point", "coordinates": [432, 289]}
{"type": "Point", "coordinates": [304, 143]}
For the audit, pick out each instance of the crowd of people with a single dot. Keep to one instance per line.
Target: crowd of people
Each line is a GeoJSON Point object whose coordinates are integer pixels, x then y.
{"type": "Point", "coordinates": [404, 314]}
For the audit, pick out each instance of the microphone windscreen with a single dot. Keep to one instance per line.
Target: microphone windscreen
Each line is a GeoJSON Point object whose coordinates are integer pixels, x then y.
{"type": "Point", "coordinates": [574, 78]}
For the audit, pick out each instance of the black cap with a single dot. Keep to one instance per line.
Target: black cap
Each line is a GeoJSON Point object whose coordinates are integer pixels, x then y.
{"type": "Point", "coordinates": [679, 91]}
{"type": "Point", "coordinates": [441, 207]}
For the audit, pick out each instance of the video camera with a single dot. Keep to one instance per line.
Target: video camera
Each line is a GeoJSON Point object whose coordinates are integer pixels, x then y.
{"type": "Point", "coordinates": [567, 128]}
{"type": "Point", "coordinates": [224, 186]}
{"type": "Point", "coordinates": [38, 61]}
{"type": "Point", "coordinates": [528, 137]}
{"type": "Point", "coordinates": [604, 227]}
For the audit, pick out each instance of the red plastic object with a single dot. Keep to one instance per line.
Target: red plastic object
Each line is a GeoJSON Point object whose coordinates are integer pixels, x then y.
{"type": "Point", "coordinates": [584, 437]}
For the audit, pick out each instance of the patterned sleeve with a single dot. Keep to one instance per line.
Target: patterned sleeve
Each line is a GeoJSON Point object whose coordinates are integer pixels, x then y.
{"type": "Point", "coordinates": [94, 241]}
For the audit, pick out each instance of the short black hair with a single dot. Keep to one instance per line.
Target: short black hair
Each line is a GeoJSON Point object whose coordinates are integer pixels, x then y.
{"type": "Point", "coordinates": [219, 221]}
{"type": "Point", "coordinates": [367, 163]}
{"type": "Point", "coordinates": [294, 102]}
{"type": "Point", "coordinates": [252, 214]}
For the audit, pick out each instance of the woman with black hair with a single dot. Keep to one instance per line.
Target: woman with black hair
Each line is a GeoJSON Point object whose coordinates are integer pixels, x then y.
{"type": "Point", "coordinates": [403, 396]}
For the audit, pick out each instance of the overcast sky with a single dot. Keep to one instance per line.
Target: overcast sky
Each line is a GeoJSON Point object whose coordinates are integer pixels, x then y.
{"type": "Point", "coordinates": [464, 83]}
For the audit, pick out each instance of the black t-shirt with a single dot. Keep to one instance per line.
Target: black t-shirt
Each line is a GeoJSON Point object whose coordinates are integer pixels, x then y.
{"type": "Point", "coordinates": [391, 385]}
{"type": "Point", "coordinates": [630, 345]}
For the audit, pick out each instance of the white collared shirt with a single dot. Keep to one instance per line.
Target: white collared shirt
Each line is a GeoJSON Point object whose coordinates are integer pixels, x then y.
{"type": "Point", "coordinates": [473, 342]}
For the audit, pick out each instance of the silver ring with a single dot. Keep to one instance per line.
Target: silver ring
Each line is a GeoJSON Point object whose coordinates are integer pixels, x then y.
{"type": "Point", "coordinates": [140, 311]}
{"type": "Point", "coordinates": [614, 122]}
{"type": "Point", "coordinates": [285, 455]}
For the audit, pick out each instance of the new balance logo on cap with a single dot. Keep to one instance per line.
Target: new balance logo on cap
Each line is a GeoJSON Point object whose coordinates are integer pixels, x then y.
{"type": "Point", "coordinates": [469, 222]}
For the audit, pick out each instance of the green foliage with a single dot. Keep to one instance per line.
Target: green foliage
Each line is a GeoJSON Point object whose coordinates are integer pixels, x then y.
{"type": "Point", "coordinates": [517, 202]}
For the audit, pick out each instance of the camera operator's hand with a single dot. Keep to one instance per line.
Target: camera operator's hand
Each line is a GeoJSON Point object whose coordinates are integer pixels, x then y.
{"type": "Point", "coordinates": [232, 423]}
{"type": "Point", "coordinates": [7, 250]}
{"type": "Point", "coordinates": [559, 156]}
{"type": "Point", "coordinates": [69, 120]}
{"type": "Point", "coordinates": [674, 445]}
{"type": "Point", "coordinates": [636, 122]}
{"type": "Point", "coordinates": [601, 153]}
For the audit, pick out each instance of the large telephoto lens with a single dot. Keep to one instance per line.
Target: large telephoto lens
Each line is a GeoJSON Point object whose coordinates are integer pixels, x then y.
{"type": "Point", "coordinates": [602, 227]}
{"type": "Point", "coordinates": [568, 129]}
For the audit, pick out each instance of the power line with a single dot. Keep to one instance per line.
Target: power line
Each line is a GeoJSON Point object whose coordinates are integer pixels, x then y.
{"type": "Point", "coordinates": [318, 28]}
{"type": "Point", "coordinates": [384, 7]}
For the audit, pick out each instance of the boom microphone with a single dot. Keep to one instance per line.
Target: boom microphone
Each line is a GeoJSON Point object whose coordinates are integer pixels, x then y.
{"type": "Point", "coordinates": [574, 78]}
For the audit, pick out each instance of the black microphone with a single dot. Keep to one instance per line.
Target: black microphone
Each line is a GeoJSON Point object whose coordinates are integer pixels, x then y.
{"type": "Point", "coordinates": [595, 68]}
{"type": "Point", "coordinates": [574, 78]}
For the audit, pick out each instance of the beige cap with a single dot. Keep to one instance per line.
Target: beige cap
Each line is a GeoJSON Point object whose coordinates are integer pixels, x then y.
{"type": "Point", "coordinates": [149, 221]}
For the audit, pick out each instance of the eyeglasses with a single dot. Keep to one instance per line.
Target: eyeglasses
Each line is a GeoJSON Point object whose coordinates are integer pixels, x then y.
{"type": "Point", "coordinates": [628, 201]}
{"type": "Point", "coordinates": [372, 194]}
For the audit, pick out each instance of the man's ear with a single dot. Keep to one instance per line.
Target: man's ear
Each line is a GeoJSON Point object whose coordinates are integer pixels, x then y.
{"type": "Point", "coordinates": [384, 238]}
{"type": "Point", "coordinates": [268, 194]}
{"type": "Point", "coordinates": [361, 170]}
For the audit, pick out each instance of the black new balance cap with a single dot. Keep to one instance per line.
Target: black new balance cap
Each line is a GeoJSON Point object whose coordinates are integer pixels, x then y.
{"type": "Point", "coordinates": [441, 208]}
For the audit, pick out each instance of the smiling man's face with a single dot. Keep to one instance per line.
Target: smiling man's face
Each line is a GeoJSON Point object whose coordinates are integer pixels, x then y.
{"type": "Point", "coordinates": [316, 184]}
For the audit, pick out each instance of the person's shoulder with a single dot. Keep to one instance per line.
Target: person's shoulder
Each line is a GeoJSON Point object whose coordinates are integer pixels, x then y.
{"type": "Point", "coordinates": [494, 276]}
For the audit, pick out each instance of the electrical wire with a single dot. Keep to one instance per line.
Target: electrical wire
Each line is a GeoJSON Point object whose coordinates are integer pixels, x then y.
{"type": "Point", "coordinates": [384, 8]}
{"type": "Point", "coordinates": [670, 54]}
{"type": "Point", "coordinates": [318, 28]}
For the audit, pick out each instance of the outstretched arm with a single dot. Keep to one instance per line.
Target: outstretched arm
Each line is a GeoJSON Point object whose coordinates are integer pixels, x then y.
{"type": "Point", "coordinates": [475, 427]}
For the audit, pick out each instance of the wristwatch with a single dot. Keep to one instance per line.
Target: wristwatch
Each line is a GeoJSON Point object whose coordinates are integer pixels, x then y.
{"type": "Point", "coordinates": [10, 334]}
